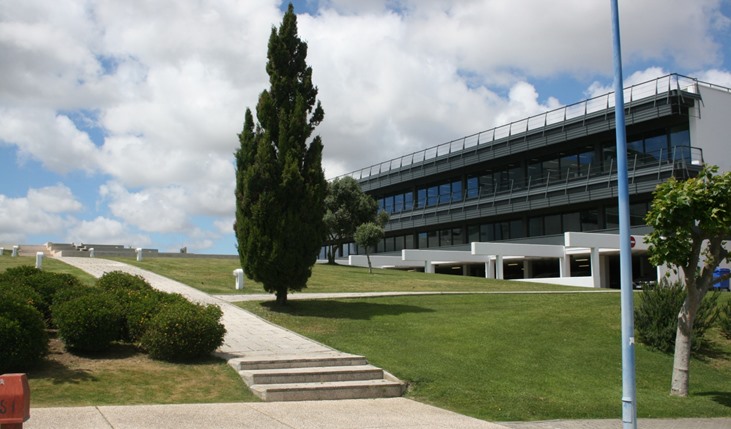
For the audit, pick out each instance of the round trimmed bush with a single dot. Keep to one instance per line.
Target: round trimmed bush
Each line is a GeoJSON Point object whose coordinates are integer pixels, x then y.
{"type": "Point", "coordinates": [119, 281]}
{"type": "Point", "coordinates": [184, 331]}
{"type": "Point", "coordinates": [23, 339]}
{"type": "Point", "coordinates": [89, 323]}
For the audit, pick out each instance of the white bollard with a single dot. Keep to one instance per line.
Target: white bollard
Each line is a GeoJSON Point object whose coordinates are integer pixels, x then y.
{"type": "Point", "coordinates": [239, 274]}
{"type": "Point", "coordinates": [91, 252]}
{"type": "Point", "coordinates": [15, 251]}
{"type": "Point", "coordinates": [139, 254]}
{"type": "Point", "coordinates": [2, 251]}
{"type": "Point", "coordinates": [39, 260]}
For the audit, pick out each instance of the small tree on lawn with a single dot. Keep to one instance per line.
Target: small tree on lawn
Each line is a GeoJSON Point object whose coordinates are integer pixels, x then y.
{"type": "Point", "coordinates": [346, 207]}
{"type": "Point", "coordinates": [690, 220]}
{"type": "Point", "coordinates": [370, 233]}
{"type": "Point", "coordinates": [280, 185]}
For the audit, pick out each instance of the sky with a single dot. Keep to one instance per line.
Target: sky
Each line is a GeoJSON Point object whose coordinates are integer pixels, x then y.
{"type": "Point", "coordinates": [119, 119]}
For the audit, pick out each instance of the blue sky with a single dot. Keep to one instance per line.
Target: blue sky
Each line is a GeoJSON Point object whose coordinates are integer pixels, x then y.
{"type": "Point", "coordinates": [118, 120]}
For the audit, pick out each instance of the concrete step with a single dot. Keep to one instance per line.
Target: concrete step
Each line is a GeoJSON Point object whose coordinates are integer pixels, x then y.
{"type": "Point", "coordinates": [332, 390]}
{"type": "Point", "coordinates": [311, 374]}
{"type": "Point", "coordinates": [245, 364]}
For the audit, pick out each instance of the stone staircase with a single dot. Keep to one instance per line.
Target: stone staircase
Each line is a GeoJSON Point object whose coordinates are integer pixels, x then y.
{"type": "Point", "coordinates": [310, 378]}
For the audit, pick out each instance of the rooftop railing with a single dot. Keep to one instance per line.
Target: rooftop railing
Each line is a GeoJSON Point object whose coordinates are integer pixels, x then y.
{"type": "Point", "coordinates": [642, 91]}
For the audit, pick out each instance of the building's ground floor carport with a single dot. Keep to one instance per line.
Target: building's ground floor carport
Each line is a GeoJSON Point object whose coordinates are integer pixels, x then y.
{"type": "Point", "coordinates": [585, 259]}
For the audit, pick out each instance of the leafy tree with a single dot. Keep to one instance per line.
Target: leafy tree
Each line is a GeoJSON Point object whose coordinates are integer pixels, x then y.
{"type": "Point", "coordinates": [346, 207]}
{"type": "Point", "coordinates": [370, 233]}
{"type": "Point", "coordinates": [280, 185]}
{"type": "Point", "coordinates": [690, 220]}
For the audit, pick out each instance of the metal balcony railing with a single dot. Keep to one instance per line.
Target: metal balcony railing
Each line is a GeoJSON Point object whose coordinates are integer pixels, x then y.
{"type": "Point", "coordinates": [660, 87]}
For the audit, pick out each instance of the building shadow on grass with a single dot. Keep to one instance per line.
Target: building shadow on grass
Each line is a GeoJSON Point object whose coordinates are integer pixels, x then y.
{"type": "Point", "coordinates": [722, 398]}
{"type": "Point", "coordinates": [58, 373]}
{"type": "Point", "coordinates": [337, 309]}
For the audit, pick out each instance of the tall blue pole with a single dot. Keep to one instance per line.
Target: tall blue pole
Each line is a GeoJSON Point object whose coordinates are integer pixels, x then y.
{"type": "Point", "coordinates": [629, 402]}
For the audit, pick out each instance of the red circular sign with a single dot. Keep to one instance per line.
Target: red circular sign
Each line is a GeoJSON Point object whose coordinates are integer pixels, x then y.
{"type": "Point", "coordinates": [632, 242]}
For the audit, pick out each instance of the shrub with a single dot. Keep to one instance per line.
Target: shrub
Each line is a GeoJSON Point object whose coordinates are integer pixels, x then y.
{"type": "Point", "coordinates": [183, 331]}
{"type": "Point", "coordinates": [21, 292]}
{"type": "Point", "coordinates": [46, 284]}
{"type": "Point", "coordinates": [121, 282]}
{"type": "Point", "coordinates": [23, 339]}
{"type": "Point", "coordinates": [656, 316]}
{"type": "Point", "coordinates": [89, 323]}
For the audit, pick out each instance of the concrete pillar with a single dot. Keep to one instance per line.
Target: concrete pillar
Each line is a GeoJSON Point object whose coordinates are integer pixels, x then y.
{"type": "Point", "coordinates": [596, 268]}
{"type": "Point", "coordinates": [428, 267]}
{"type": "Point", "coordinates": [564, 266]}
{"type": "Point", "coordinates": [91, 252]}
{"type": "Point", "coordinates": [527, 269]}
{"type": "Point", "coordinates": [2, 251]}
{"type": "Point", "coordinates": [15, 251]}
{"type": "Point", "coordinates": [465, 270]}
{"type": "Point", "coordinates": [499, 269]}
{"type": "Point", "coordinates": [138, 251]}
{"type": "Point", "coordinates": [39, 260]}
{"type": "Point", "coordinates": [490, 269]}
{"type": "Point", "coordinates": [239, 274]}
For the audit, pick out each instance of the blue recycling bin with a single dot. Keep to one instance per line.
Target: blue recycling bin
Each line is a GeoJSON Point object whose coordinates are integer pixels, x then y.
{"type": "Point", "coordinates": [723, 284]}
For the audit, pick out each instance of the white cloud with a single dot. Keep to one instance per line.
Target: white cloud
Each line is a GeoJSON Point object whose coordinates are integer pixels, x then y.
{"type": "Point", "coordinates": [168, 83]}
{"type": "Point", "coordinates": [41, 211]}
{"type": "Point", "coordinates": [102, 230]}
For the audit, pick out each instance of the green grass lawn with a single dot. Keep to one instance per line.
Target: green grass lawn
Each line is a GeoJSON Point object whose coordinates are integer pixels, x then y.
{"type": "Point", "coordinates": [510, 357]}
{"type": "Point", "coordinates": [49, 264]}
{"type": "Point", "coordinates": [215, 276]}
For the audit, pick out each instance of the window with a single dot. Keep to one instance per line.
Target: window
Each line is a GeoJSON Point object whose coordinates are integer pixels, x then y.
{"type": "Point", "coordinates": [388, 204]}
{"type": "Point", "coordinates": [445, 193]}
{"type": "Point", "coordinates": [472, 187]}
{"type": "Point", "coordinates": [535, 226]}
{"type": "Point", "coordinates": [445, 237]}
{"type": "Point", "coordinates": [457, 191]}
{"type": "Point", "coordinates": [432, 196]}
{"type": "Point", "coordinates": [408, 201]}
{"type": "Point", "coordinates": [656, 147]}
{"type": "Point", "coordinates": [458, 236]}
{"type": "Point", "coordinates": [423, 240]}
{"type": "Point", "coordinates": [590, 220]}
{"type": "Point", "coordinates": [572, 222]}
{"type": "Point", "coordinates": [409, 241]}
{"type": "Point", "coordinates": [487, 232]}
{"type": "Point", "coordinates": [433, 238]}
{"type": "Point", "coordinates": [421, 198]}
{"type": "Point", "coordinates": [473, 233]}
{"type": "Point", "coordinates": [552, 225]}
{"type": "Point", "coordinates": [398, 203]}
{"type": "Point", "coordinates": [516, 229]}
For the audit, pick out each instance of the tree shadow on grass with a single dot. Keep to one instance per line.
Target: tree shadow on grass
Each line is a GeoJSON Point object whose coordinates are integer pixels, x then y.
{"type": "Point", "coordinates": [722, 398]}
{"type": "Point", "coordinates": [58, 373]}
{"type": "Point", "coordinates": [336, 309]}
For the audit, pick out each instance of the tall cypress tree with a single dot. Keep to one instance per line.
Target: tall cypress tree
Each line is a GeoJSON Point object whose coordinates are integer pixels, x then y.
{"type": "Point", "coordinates": [280, 185]}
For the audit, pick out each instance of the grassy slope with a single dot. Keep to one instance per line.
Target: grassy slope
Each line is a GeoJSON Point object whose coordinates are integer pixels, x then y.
{"type": "Point", "coordinates": [505, 358]}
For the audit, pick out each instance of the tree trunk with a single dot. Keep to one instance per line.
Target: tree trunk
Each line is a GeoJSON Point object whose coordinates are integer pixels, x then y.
{"type": "Point", "coordinates": [282, 297]}
{"type": "Point", "coordinates": [330, 255]}
{"type": "Point", "coordinates": [683, 342]}
{"type": "Point", "coordinates": [370, 269]}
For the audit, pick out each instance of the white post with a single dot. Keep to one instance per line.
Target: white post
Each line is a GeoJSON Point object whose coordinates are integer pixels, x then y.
{"type": "Point", "coordinates": [428, 267]}
{"type": "Point", "coordinates": [15, 251]}
{"type": "Point", "coordinates": [499, 269]}
{"type": "Point", "coordinates": [139, 254]}
{"type": "Point", "coordinates": [489, 269]}
{"type": "Point", "coordinates": [239, 274]}
{"type": "Point", "coordinates": [39, 260]}
{"type": "Point", "coordinates": [91, 252]}
{"type": "Point", "coordinates": [596, 267]}
{"type": "Point", "coordinates": [2, 251]}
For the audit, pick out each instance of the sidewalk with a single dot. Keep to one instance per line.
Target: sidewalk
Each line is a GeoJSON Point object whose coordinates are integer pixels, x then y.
{"type": "Point", "coordinates": [249, 335]}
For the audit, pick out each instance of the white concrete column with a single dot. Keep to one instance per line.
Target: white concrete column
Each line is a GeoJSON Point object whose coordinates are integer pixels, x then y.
{"type": "Point", "coordinates": [490, 269]}
{"type": "Point", "coordinates": [564, 266]}
{"type": "Point", "coordinates": [91, 252]}
{"type": "Point", "coordinates": [596, 268]}
{"type": "Point", "coordinates": [138, 251]}
{"type": "Point", "coordinates": [39, 260]}
{"type": "Point", "coordinates": [15, 251]}
{"type": "Point", "coordinates": [428, 267]}
{"type": "Point", "coordinates": [2, 251]}
{"type": "Point", "coordinates": [239, 274]}
{"type": "Point", "coordinates": [499, 269]}
{"type": "Point", "coordinates": [527, 269]}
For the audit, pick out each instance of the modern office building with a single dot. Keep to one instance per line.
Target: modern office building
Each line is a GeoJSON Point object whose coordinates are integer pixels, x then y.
{"type": "Point", "coordinates": [532, 180]}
